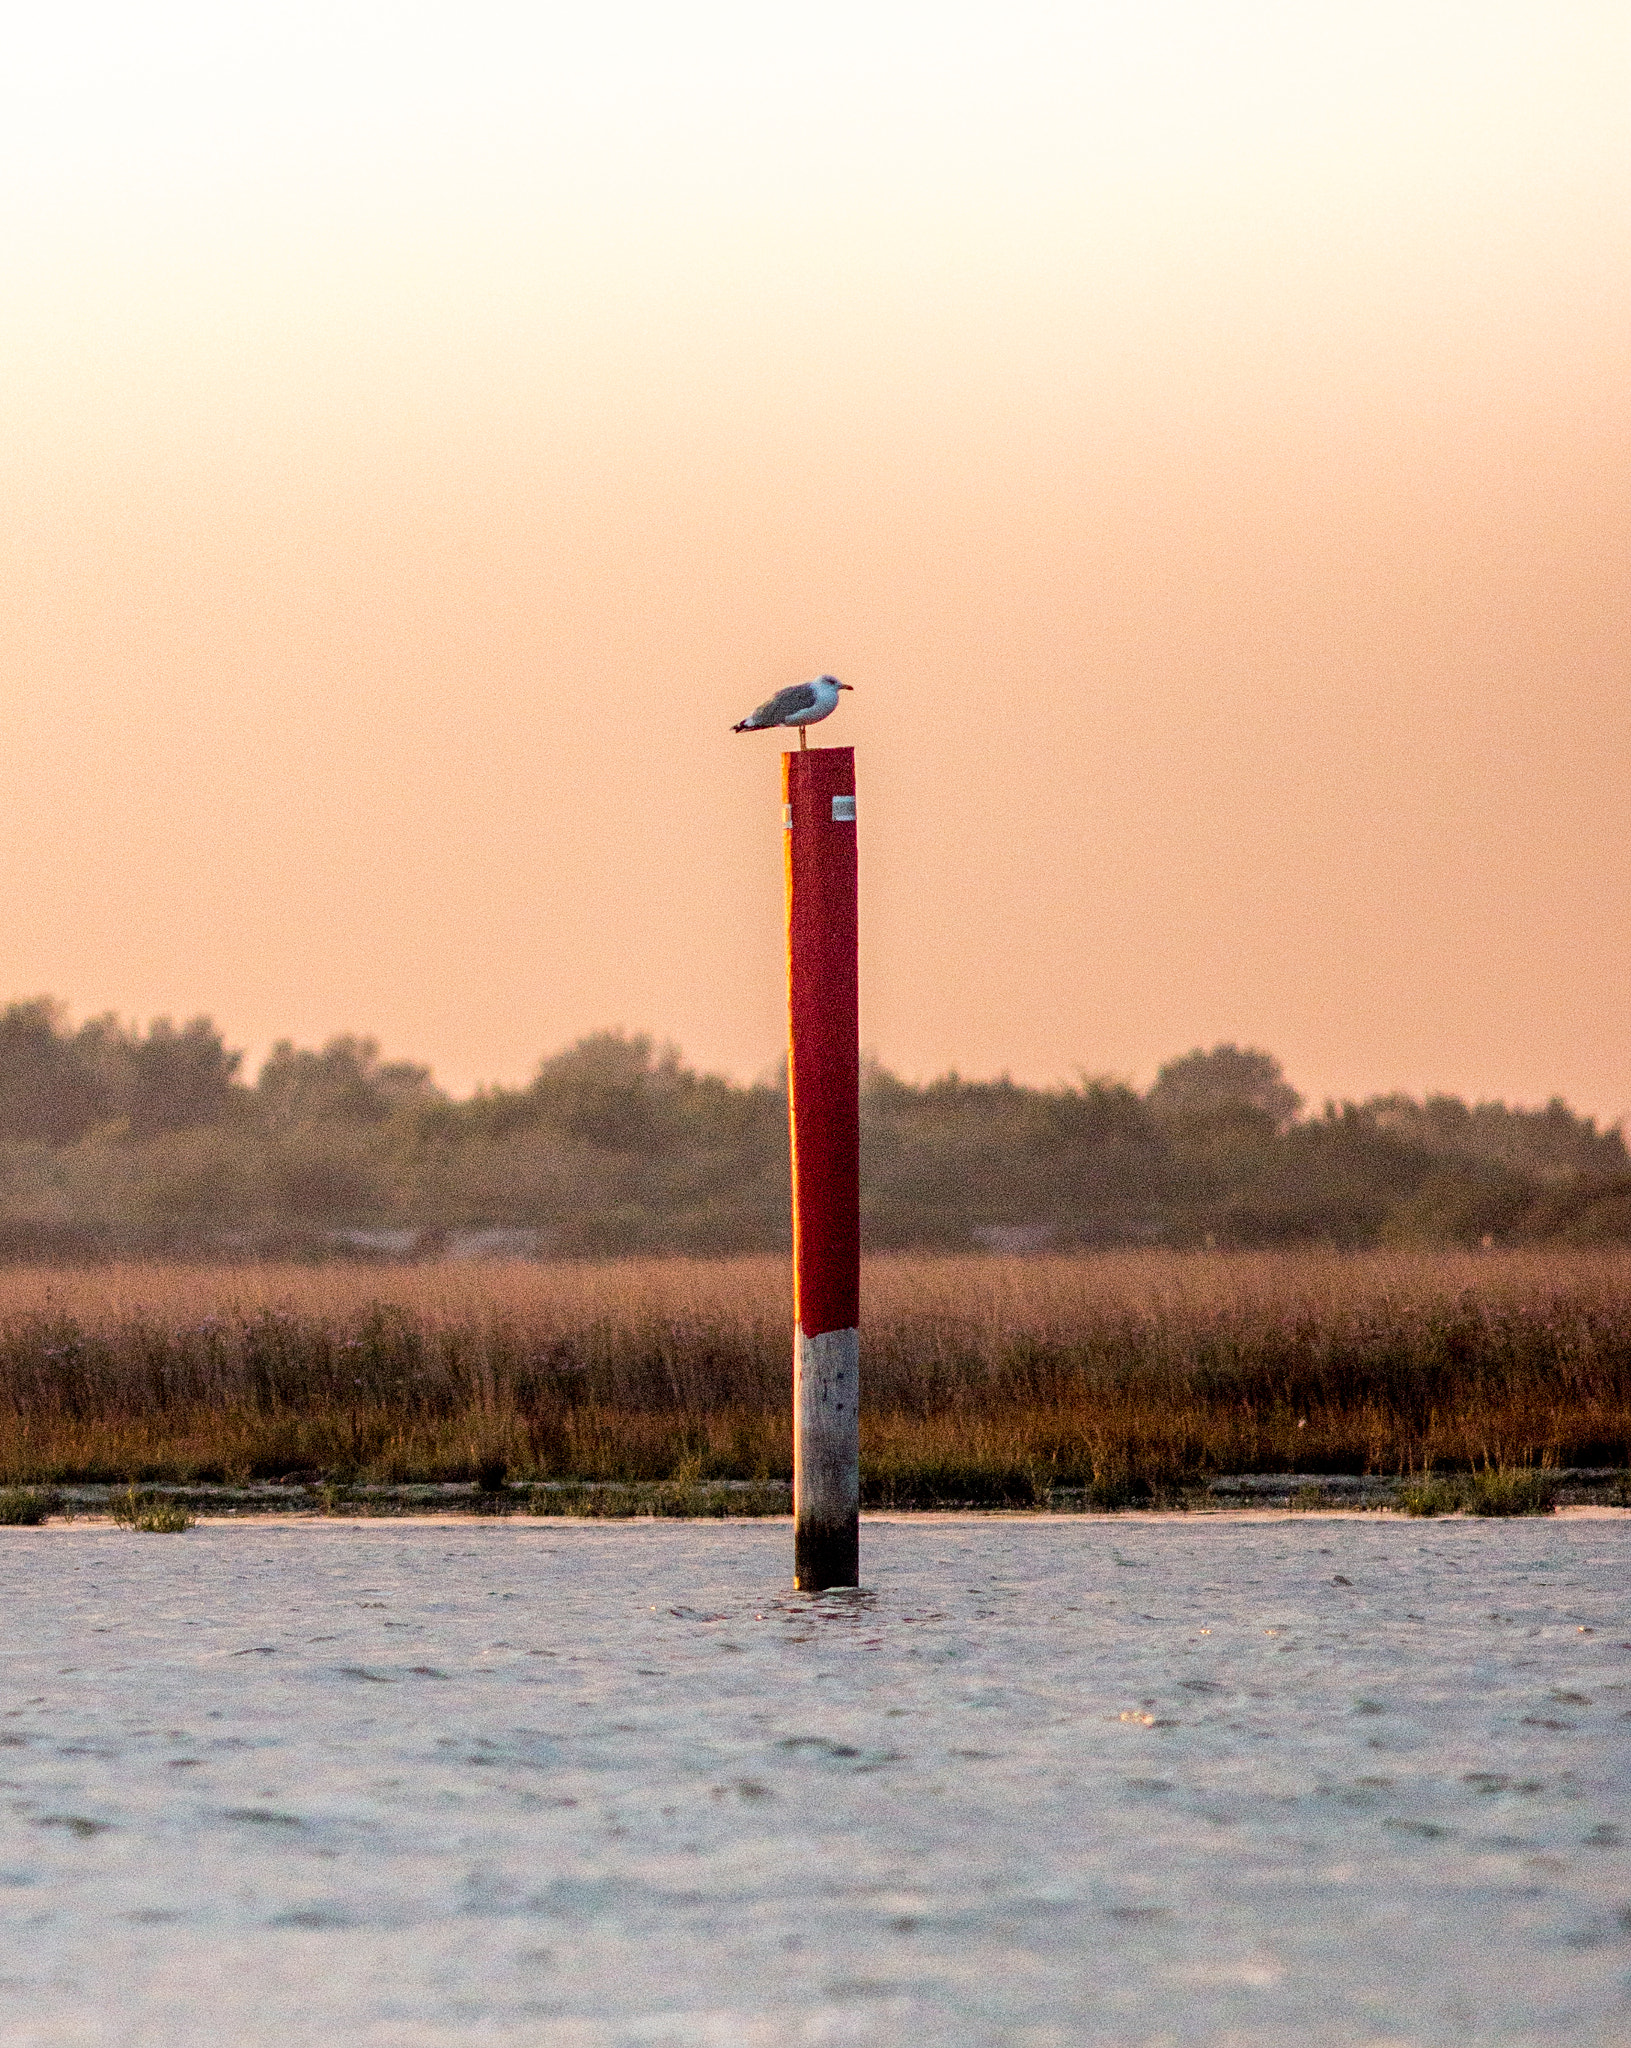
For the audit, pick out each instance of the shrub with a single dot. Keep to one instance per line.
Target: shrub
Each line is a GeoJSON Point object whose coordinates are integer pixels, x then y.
{"type": "Point", "coordinates": [1430, 1497]}
{"type": "Point", "coordinates": [151, 1513]}
{"type": "Point", "coordinates": [1525, 1492]}
{"type": "Point", "coordinates": [492, 1468]}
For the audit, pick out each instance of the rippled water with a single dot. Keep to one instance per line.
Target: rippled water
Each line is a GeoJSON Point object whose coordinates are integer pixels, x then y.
{"type": "Point", "coordinates": [1297, 1779]}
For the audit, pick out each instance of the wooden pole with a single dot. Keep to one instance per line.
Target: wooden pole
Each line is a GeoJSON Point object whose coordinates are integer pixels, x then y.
{"type": "Point", "coordinates": [824, 1120]}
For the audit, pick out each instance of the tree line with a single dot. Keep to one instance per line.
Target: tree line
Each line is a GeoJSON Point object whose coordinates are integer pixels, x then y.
{"type": "Point", "coordinates": [115, 1140]}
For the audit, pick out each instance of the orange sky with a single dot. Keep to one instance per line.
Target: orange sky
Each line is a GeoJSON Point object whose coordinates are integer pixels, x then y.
{"type": "Point", "coordinates": [1202, 442]}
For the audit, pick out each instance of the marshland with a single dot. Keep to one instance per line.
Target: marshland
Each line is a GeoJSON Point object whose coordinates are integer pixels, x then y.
{"type": "Point", "coordinates": [1129, 1376]}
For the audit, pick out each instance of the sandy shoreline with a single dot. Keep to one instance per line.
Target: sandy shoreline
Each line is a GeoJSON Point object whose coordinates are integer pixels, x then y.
{"type": "Point", "coordinates": [554, 1524]}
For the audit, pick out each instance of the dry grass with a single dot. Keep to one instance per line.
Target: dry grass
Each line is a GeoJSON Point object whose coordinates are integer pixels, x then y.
{"type": "Point", "coordinates": [985, 1378]}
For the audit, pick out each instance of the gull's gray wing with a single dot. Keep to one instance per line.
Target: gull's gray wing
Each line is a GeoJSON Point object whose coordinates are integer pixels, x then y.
{"type": "Point", "coordinates": [785, 704]}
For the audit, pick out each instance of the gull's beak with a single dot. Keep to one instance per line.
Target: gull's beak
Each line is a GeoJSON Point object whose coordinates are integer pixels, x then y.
{"type": "Point", "coordinates": [846, 686]}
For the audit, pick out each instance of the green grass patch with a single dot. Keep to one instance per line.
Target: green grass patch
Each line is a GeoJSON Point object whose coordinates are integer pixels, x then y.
{"type": "Point", "coordinates": [1493, 1490]}
{"type": "Point", "coordinates": [153, 1514]}
{"type": "Point", "coordinates": [679, 1499]}
{"type": "Point", "coordinates": [1430, 1497]}
{"type": "Point", "coordinates": [1525, 1492]}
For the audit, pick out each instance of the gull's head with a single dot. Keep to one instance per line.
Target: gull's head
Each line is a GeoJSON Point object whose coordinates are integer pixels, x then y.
{"type": "Point", "coordinates": [832, 682]}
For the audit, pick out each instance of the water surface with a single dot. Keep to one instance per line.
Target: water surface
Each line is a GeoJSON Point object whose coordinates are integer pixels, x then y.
{"type": "Point", "coordinates": [1260, 1780]}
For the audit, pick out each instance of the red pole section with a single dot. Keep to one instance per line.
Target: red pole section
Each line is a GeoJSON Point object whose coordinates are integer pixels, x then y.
{"type": "Point", "coordinates": [824, 1113]}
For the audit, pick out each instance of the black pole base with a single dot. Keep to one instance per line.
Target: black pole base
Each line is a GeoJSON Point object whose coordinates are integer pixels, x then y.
{"type": "Point", "coordinates": [826, 1557]}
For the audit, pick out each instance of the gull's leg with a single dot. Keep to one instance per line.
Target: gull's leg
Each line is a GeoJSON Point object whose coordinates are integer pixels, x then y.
{"type": "Point", "coordinates": [803, 741]}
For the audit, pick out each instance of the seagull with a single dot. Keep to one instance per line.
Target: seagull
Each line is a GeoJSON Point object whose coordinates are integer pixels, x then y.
{"type": "Point", "coordinates": [801, 705]}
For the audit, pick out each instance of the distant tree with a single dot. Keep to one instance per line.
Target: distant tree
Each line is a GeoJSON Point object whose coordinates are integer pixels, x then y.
{"type": "Point", "coordinates": [1210, 1084]}
{"type": "Point", "coordinates": [49, 1093]}
{"type": "Point", "coordinates": [169, 1080]}
{"type": "Point", "coordinates": [346, 1082]}
{"type": "Point", "coordinates": [326, 1176]}
{"type": "Point", "coordinates": [610, 1089]}
{"type": "Point", "coordinates": [615, 1146]}
{"type": "Point", "coordinates": [1553, 1142]}
{"type": "Point", "coordinates": [960, 1161]}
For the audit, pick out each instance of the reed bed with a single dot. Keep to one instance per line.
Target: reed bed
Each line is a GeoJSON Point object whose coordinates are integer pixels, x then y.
{"type": "Point", "coordinates": [985, 1378]}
